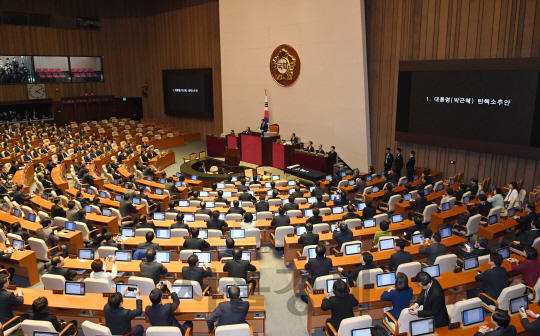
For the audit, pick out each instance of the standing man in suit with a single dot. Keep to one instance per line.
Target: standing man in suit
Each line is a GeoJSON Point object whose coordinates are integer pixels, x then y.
{"type": "Point", "coordinates": [410, 166]}
{"type": "Point", "coordinates": [229, 312]}
{"type": "Point", "coordinates": [501, 320]}
{"type": "Point", "coordinates": [264, 126]}
{"type": "Point", "coordinates": [310, 147]}
{"type": "Point", "coordinates": [432, 300]}
{"type": "Point", "coordinates": [118, 319]}
{"type": "Point", "coordinates": [239, 268]}
{"type": "Point", "coordinates": [400, 257]}
{"type": "Point", "coordinates": [162, 315]}
{"type": "Point", "coordinates": [196, 273]}
{"type": "Point", "coordinates": [433, 250]}
{"type": "Point", "coordinates": [398, 163]}
{"type": "Point", "coordinates": [388, 161]}
{"type": "Point", "coordinates": [493, 280]}
{"type": "Point", "coordinates": [294, 139]}
{"type": "Point", "coordinates": [308, 238]}
{"type": "Point", "coordinates": [150, 268]}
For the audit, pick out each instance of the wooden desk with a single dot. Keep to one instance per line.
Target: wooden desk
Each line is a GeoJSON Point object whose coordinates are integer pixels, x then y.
{"type": "Point", "coordinates": [440, 218]}
{"type": "Point", "coordinates": [25, 264]}
{"type": "Point", "coordinates": [96, 302]}
{"type": "Point", "coordinates": [164, 161]}
{"type": "Point", "coordinates": [58, 176]}
{"type": "Point", "coordinates": [406, 206]}
{"type": "Point", "coordinates": [323, 164]}
{"type": "Point", "coordinates": [107, 202]}
{"type": "Point", "coordinates": [380, 258]}
{"type": "Point", "coordinates": [496, 233]}
{"type": "Point", "coordinates": [153, 185]}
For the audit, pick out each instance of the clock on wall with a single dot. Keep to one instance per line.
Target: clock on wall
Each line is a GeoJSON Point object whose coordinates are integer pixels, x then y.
{"type": "Point", "coordinates": [36, 91]}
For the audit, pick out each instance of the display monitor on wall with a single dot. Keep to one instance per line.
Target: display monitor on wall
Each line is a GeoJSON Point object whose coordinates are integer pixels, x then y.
{"type": "Point", "coordinates": [484, 105]}
{"type": "Point", "coordinates": [188, 93]}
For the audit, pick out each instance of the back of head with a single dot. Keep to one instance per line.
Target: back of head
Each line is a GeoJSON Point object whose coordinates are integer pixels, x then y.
{"type": "Point", "coordinates": [401, 244]}
{"type": "Point", "coordinates": [350, 208]}
{"type": "Point", "coordinates": [171, 205]}
{"type": "Point", "coordinates": [482, 242]}
{"type": "Point", "coordinates": [193, 260]}
{"type": "Point", "coordinates": [281, 210]}
{"type": "Point", "coordinates": [378, 331]}
{"type": "Point", "coordinates": [180, 217]}
{"type": "Point", "coordinates": [498, 191]}
{"type": "Point", "coordinates": [203, 204]}
{"type": "Point", "coordinates": [220, 193]}
{"type": "Point", "coordinates": [385, 225]}
{"type": "Point", "coordinates": [343, 227]}
{"type": "Point", "coordinates": [531, 253]}
{"type": "Point", "coordinates": [234, 292]}
{"type": "Point", "coordinates": [155, 295]}
{"type": "Point", "coordinates": [81, 213]}
{"type": "Point", "coordinates": [71, 205]}
{"type": "Point", "coordinates": [55, 260]}
{"type": "Point", "coordinates": [215, 214]}
{"type": "Point", "coordinates": [319, 198]}
{"type": "Point", "coordinates": [316, 211]}
{"type": "Point", "coordinates": [501, 317]}
{"type": "Point", "coordinates": [237, 253]}
{"type": "Point", "coordinates": [368, 257]}
{"type": "Point", "coordinates": [449, 191]}
{"type": "Point", "coordinates": [436, 237]}
{"type": "Point", "coordinates": [126, 197]}
{"type": "Point", "coordinates": [229, 242]}
{"type": "Point", "coordinates": [496, 258]}
{"type": "Point", "coordinates": [40, 305]}
{"type": "Point", "coordinates": [320, 251]}
{"type": "Point", "coordinates": [340, 288]}
{"type": "Point", "coordinates": [369, 202]}
{"type": "Point", "coordinates": [150, 236]}
{"type": "Point", "coordinates": [309, 227]}
{"type": "Point", "coordinates": [150, 255]}
{"type": "Point", "coordinates": [194, 232]}
{"type": "Point", "coordinates": [291, 199]}
{"type": "Point", "coordinates": [248, 217]}
{"type": "Point", "coordinates": [423, 278]}
{"type": "Point", "coordinates": [115, 300]}
{"type": "Point", "coordinates": [418, 220]}
{"type": "Point", "coordinates": [482, 198]}
{"type": "Point", "coordinates": [236, 204]}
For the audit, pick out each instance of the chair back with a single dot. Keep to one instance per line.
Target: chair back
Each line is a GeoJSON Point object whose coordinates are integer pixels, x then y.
{"type": "Point", "coordinates": [242, 329]}
{"type": "Point", "coordinates": [12, 236]}
{"type": "Point", "coordinates": [400, 182]}
{"type": "Point", "coordinates": [185, 254]}
{"type": "Point", "coordinates": [405, 319]}
{"type": "Point", "coordinates": [197, 290]}
{"type": "Point", "coordinates": [410, 269]}
{"type": "Point", "coordinates": [324, 211]}
{"type": "Point", "coordinates": [446, 262]}
{"type": "Point", "coordinates": [145, 285]}
{"type": "Point", "coordinates": [233, 216]}
{"type": "Point", "coordinates": [97, 286]}
{"type": "Point", "coordinates": [39, 247]}
{"type": "Point", "coordinates": [104, 251]}
{"type": "Point", "coordinates": [2, 237]}
{"type": "Point", "coordinates": [53, 281]}
{"type": "Point", "coordinates": [353, 222]}
{"type": "Point", "coordinates": [349, 324]}
{"type": "Point", "coordinates": [483, 259]}
{"type": "Point", "coordinates": [436, 186]}
{"type": "Point", "coordinates": [162, 331]}
{"type": "Point", "coordinates": [472, 225]}
{"type": "Point", "coordinates": [536, 292]}
{"type": "Point", "coordinates": [201, 217]}
{"type": "Point", "coordinates": [223, 282]}
{"type": "Point", "coordinates": [342, 184]}
{"type": "Point", "coordinates": [294, 213]}
{"type": "Point", "coordinates": [29, 326]}
{"type": "Point", "coordinates": [142, 232]}
{"type": "Point", "coordinates": [368, 276]}
{"type": "Point", "coordinates": [256, 233]}
{"type": "Point", "coordinates": [350, 243]}
{"type": "Point", "coordinates": [274, 202]}
{"type": "Point", "coordinates": [213, 233]}
{"type": "Point", "coordinates": [79, 226]}
{"type": "Point", "coordinates": [392, 202]}
{"type": "Point", "coordinates": [94, 329]}
{"type": "Point", "coordinates": [430, 209]}
{"type": "Point", "coordinates": [460, 306]}
{"type": "Point", "coordinates": [318, 228]}
{"type": "Point", "coordinates": [508, 293]}
{"type": "Point", "coordinates": [379, 218]}
{"type": "Point", "coordinates": [495, 211]}
{"type": "Point", "coordinates": [179, 233]}
{"type": "Point", "coordinates": [320, 282]}
{"type": "Point", "coordinates": [536, 243]}
{"type": "Point", "coordinates": [264, 215]}
{"type": "Point", "coordinates": [280, 233]}
{"type": "Point", "coordinates": [194, 203]}
{"type": "Point", "coordinates": [300, 200]}
{"type": "Point", "coordinates": [452, 201]}
{"type": "Point", "coordinates": [305, 250]}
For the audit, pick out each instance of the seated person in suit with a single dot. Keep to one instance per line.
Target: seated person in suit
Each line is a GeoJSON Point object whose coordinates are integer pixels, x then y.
{"type": "Point", "coordinates": [236, 208]}
{"type": "Point", "coordinates": [317, 190]}
{"type": "Point", "coordinates": [316, 218]}
{"type": "Point", "coordinates": [418, 226]}
{"type": "Point", "coordinates": [229, 312]}
{"type": "Point", "coordinates": [82, 218]}
{"type": "Point", "coordinates": [297, 193]}
{"type": "Point", "coordinates": [291, 205]}
{"type": "Point", "coordinates": [195, 243]}
{"type": "Point", "coordinates": [57, 210]}
{"type": "Point", "coordinates": [220, 197]}
{"type": "Point", "coordinates": [171, 208]}
{"type": "Point", "coordinates": [308, 238]}
{"type": "Point", "coordinates": [319, 150]}
{"type": "Point", "coordinates": [282, 219]}
{"type": "Point", "coordinates": [150, 268]}
{"type": "Point", "coordinates": [389, 193]}
{"type": "Point", "coordinates": [393, 176]}
{"type": "Point", "coordinates": [360, 185]}
{"type": "Point", "coordinates": [195, 272]}
{"type": "Point", "coordinates": [195, 196]}
{"type": "Point", "coordinates": [480, 249]}
{"type": "Point", "coordinates": [344, 234]}
{"type": "Point", "coordinates": [529, 218]}
{"type": "Point", "coordinates": [529, 268]}
{"type": "Point", "coordinates": [400, 257]}
{"type": "Point", "coordinates": [525, 238]}
{"type": "Point", "coordinates": [400, 296]}
{"type": "Point", "coordinates": [448, 196]}
{"type": "Point", "coordinates": [432, 300]}
{"type": "Point", "coordinates": [40, 310]}
{"type": "Point", "coordinates": [459, 193]}
{"type": "Point", "coordinates": [319, 204]}
{"type": "Point", "coordinates": [118, 319]}
{"type": "Point", "coordinates": [148, 244]}
{"type": "Point", "coordinates": [57, 268]}
{"type": "Point", "coordinates": [473, 187]}
{"type": "Point", "coordinates": [179, 222]}
{"type": "Point", "coordinates": [501, 321]}
{"type": "Point", "coordinates": [384, 226]}
{"type": "Point", "coordinates": [433, 250]}
{"type": "Point", "coordinates": [350, 213]}
{"type": "Point", "coordinates": [247, 131]}
{"type": "Point", "coordinates": [144, 223]}
{"type": "Point", "coordinates": [215, 222]}
{"type": "Point", "coordinates": [204, 210]}
{"type": "Point", "coordinates": [247, 197]}
{"type": "Point", "coordinates": [16, 228]}
{"type": "Point", "coordinates": [275, 194]}
{"type": "Point", "coordinates": [341, 304]}
{"type": "Point", "coordinates": [227, 253]}
{"type": "Point", "coordinates": [319, 266]}
{"type": "Point", "coordinates": [109, 241]}
{"type": "Point", "coordinates": [163, 315]}
{"type": "Point", "coordinates": [238, 268]}
{"type": "Point", "coordinates": [531, 327]}
{"type": "Point", "coordinates": [366, 263]}
{"type": "Point", "coordinates": [483, 206]}
{"type": "Point", "coordinates": [262, 205]}
{"type": "Point", "coordinates": [382, 185]}
{"type": "Point", "coordinates": [343, 200]}
{"type": "Point", "coordinates": [462, 221]}
{"type": "Point", "coordinates": [493, 280]}
{"type": "Point", "coordinates": [369, 211]}
{"type": "Point", "coordinates": [240, 187]}
{"type": "Point", "coordinates": [248, 223]}
{"type": "Point", "coordinates": [419, 203]}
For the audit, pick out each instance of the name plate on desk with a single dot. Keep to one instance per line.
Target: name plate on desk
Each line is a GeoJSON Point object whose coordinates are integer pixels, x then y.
{"type": "Point", "coordinates": [318, 291]}
{"type": "Point", "coordinates": [325, 231]}
{"type": "Point", "coordinates": [455, 325]}
{"type": "Point", "coordinates": [327, 214]}
{"type": "Point", "coordinates": [299, 217]}
{"type": "Point", "coordinates": [238, 220]}
{"type": "Point", "coordinates": [358, 227]}
{"type": "Point", "coordinates": [165, 296]}
{"type": "Point", "coordinates": [223, 237]}
{"type": "Point", "coordinates": [187, 237]}
{"type": "Point", "coordinates": [107, 294]}
{"type": "Point", "coordinates": [224, 261]}
{"type": "Point", "coordinates": [302, 258]}
{"type": "Point", "coordinates": [339, 254]}
{"type": "Point", "coordinates": [58, 291]}
{"type": "Point", "coordinates": [72, 256]}
{"type": "Point", "coordinates": [458, 269]}
{"type": "Point", "coordinates": [12, 287]}
{"type": "Point", "coordinates": [217, 296]}
{"type": "Point", "coordinates": [369, 286]}
{"type": "Point", "coordinates": [184, 261]}
{"type": "Point", "coordinates": [290, 234]}
{"type": "Point", "coordinates": [374, 249]}
{"type": "Point", "coordinates": [258, 315]}
{"type": "Point", "coordinates": [269, 218]}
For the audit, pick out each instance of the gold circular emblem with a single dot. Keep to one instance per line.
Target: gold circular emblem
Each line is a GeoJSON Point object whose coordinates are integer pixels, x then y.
{"type": "Point", "coordinates": [285, 65]}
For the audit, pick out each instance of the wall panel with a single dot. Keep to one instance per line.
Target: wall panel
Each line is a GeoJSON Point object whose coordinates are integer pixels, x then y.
{"type": "Point", "coordinates": [405, 30]}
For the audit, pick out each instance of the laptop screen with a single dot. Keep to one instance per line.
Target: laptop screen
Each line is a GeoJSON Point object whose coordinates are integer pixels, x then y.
{"type": "Point", "coordinates": [244, 291]}
{"type": "Point", "coordinates": [472, 316]}
{"type": "Point", "coordinates": [275, 177]}
{"type": "Point", "coordinates": [246, 256]}
{"type": "Point", "coordinates": [5, 208]}
{"type": "Point", "coordinates": [204, 257]}
{"type": "Point", "coordinates": [70, 226]}
{"type": "Point", "coordinates": [492, 219]}
{"type": "Point", "coordinates": [210, 204]}
{"type": "Point", "coordinates": [183, 204]}
{"type": "Point", "coordinates": [397, 218]}
{"type": "Point", "coordinates": [136, 201]}
{"type": "Point", "coordinates": [88, 208]}
{"type": "Point", "coordinates": [434, 271]}
{"type": "Point", "coordinates": [465, 200]}
{"type": "Point", "coordinates": [238, 233]}
{"type": "Point", "coordinates": [328, 177]}
{"type": "Point", "coordinates": [343, 174]}
{"type": "Point", "coordinates": [267, 185]}
{"type": "Point", "coordinates": [416, 177]}
{"type": "Point", "coordinates": [194, 177]}
{"type": "Point", "coordinates": [16, 212]}
{"type": "Point", "coordinates": [159, 191]}
{"type": "Point", "coordinates": [130, 289]}
{"type": "Point", "coordinates": [32, 217]}
{"type": "Point", "coordinates": [18, 245]}
{"type": "Point", "coordinates": [308, 213]}
{"type": "Point", "coordinates": [163, 257]}
{"type": "Point", "coordinates": [162, 181]}
{"type": "Point", "coordinates": [517, 303]}
{"type": "Point", "coordinates": [284, 201]}
{"type": "Point", "coordinates": [44, 333]}
{"type": "Point", "coordinates": [369, 178]}
{"type": "Point", "coordinates": [74, 288]}
{"type": "Point", "coordinates": [446, 232]}
{"type": "Point", "coordinates": [386, 279]}
{"type": "Point", "coordinates": [159, 216]}
{"type": "Point", "coordinates": [511, 212]}
{"type": "Point", "coordinates": [203, 193]}
{"type": "Point", "coordinates": [291, 183]}
{"type": "Point", "coordinates": [504, 252]}
{"type": "Point", "coordinates": [300, 230]}
{"type": "Point", "coordinates": [337, 210]}
{"type": "Point", "coordinates": [375, 189]}
{"type": "Point", "coordinates": [426, 192]}
{"type": "Point", "coordinates": [335, 197]}
{"type": "Point", "coordinates": [102, 194]}
{"type": "Point", "coordinates": [352, 249]}
{"type": "Point", "coordinates": [417, 238]}
{"type": "Point", "coordinates": [404, 181]}
{"type": "Point", "coordinates": [89, 191]}
{"type": "Point", "coordinates": [189, 218]}
{"type": "Point", "coordinates": [361, 206]}
{"type": "Point", "coordinates": [184, 292]}
{"type": "Point", "coordinates": [470, 263]}
{"type": "Point", "coordinates": [227, 194]}
{"type": "Point", "coordinates": [445, 206]}
{"type": "Point", "coordinates": [118, 198]}
{"type": "Point", "coordinates": [128, 232]}
{"type": "Point", "coordinates": [369, 223]}
{"type": "Point", "coordinates": [330, 284]}
{"type": "Point", "coordinates": [406, 197]}
{"type": "Point", "coordinates": [163, 233]}
{"type": "Point", "coordinates": [291, 191]}
{"type": "Point", "coordinates": [46, 197]}
{"type": "Point", "coordinates": [386, 244]}
{"type": "Point", "coordinates": [220, 186]}
{"type": "Point", "coordinates": [312, 253]}
{"type": "Point", "coordinates": [86, 254]}
{"type": "Point", "coordinates": [441, 186]}
{"type": "Point", "coordinates": [234, 178]}
{"type": "Point", "coordinates": [123, 255]}
{"type": "Point", "coordinates": [361, 332]}
{"type": "Point", "coordinates": [269, 192]}
{"type": "Point", "coordinates": [351, 182]}
{"type": "Point", "coordinates": [203, 233]}
{"type": "Point", "coordinates": [422, 327]}
{"type": "Point", "coordinates": [115, 182]}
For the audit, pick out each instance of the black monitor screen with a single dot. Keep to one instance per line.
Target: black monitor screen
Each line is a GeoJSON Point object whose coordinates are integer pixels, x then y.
{"type": "Point", "coordinates": [188, 93]}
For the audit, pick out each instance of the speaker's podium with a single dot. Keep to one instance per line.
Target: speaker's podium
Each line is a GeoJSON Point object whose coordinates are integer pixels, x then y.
{"type": "Point", "coordinates": [232, 156]}
{"type": "Point", "coordinates": [257, 147]}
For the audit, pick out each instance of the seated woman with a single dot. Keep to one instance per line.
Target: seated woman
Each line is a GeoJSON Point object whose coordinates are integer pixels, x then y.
{"type": "Point", "coordinates": [341, 304]}
{"type": "Point", "coordinates": [400, 296]}
{"type": "Point", "coordinates": [40, 308]}
{"type": "Point", "coordinates": [99, 271]}
{"type": "Point", "coordinates": [530, 268]}
{"type": "Point", "coordinates": [248, 221]}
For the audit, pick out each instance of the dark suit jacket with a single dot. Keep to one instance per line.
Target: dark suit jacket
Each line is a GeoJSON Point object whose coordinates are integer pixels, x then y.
{"type": "Point", "coordinates": [152, 270]}
{"type": "Point", "coordinates": [419, 204]}
{"type": "Point", "coordinates": [510, 330]}
{"type": "Point", "coordinates": [388, 161]}
{"type": "Point", "coordinates": [216, 224]}
{"type": "Point", "coordinates": [162, 315]}
{"type": "Point", "coordinates": [308, 238]}
{"type": "Point", "coordinates": [434, 305]}
{"type": "Point", "coordinates": [238, 268]}
{"type": "Point", "coordinates": [264, 127]}
{"type": "Point", "coordinates": [298, 194]}
{"type": "Point", "coordinates": [398, 162]}
{"type": "Point", "coordinates": [493, 281]}
{"type": "Point", "coordinates": [369, 212]}
{"type": "Point", "coordinates": [196, 244]}
{"type": "Point", "coordinates": [49, 318]}
{"type": "Point", "coordinates": [291, 206]}
{"type": "Point", "coordinates": [315, 219]}
{"type": "Point", "coordinates": [433, 251]}
{"type": "Point", "coordinates": [319, 205]}
{"type": "Point", "coordinates": [262, 206]}
{"type": "Point", "coordinates": [179, 225]}
{"type": "Point", "coordinates": [68, 274]}
{"type": "Point", "coordinates": [281, 220]}
{"type": "Point", "coordinates": [342, 237]}
{"type": "Point", "coordinates": [360, 186]}
{"type": "Point", "coordinates": [118, 320]}
{"type": "Point", "coordinates": [410, 164]}
{"type": "Point", "coordinates": [319, 266]}
{"type": "Point", "coordinates": [228, 313]}
{"type": "Point", "coordinates": [204, 211]}
{"type": "Point", "coordinates": [398, 258]}
{"type": "Point", "coordinates": [354, 274]}
{"type": "Point", "coordinates": [527, 238]}
{"type": "Point", "coordinates": [482, 209]}
{"type": "Point", "coordinates": [317, 191]}
{"type": "Point", "coordinates": [196, 274]}
{"type": "Point", "coordinates": [126, 208]}
{"type": "Point", "coordinates": [341, 307]}
{"type": "Point", "coordinates": [146, 225]}
{"type": "Point", "coordinates": [149, 245]}
{"type": "Point", "coordinates": [527, 220]}
{"type": "Point", "coordinates": [8, 300]}
{"type": "Point", "coordinates": [237, 210]}
{"type": "Point", "coordinates": [387, 195]}
{"type": "Point", "coordinates": [19, 197]}
{"type": "Point", "coordinates": [532, 327]}
{"type": "Point", "coordinates": [351, 215]}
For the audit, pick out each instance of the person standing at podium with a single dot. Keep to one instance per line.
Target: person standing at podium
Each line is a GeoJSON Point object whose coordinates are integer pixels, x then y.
{"type": "Point", "coordinates": [264, 126]}
{"type": "Point", "coordinates": [294, 139]}
{"type": "Point", "coordinates": [310, 147]}
{"type": "Point", "coordinates": [247, 131]}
